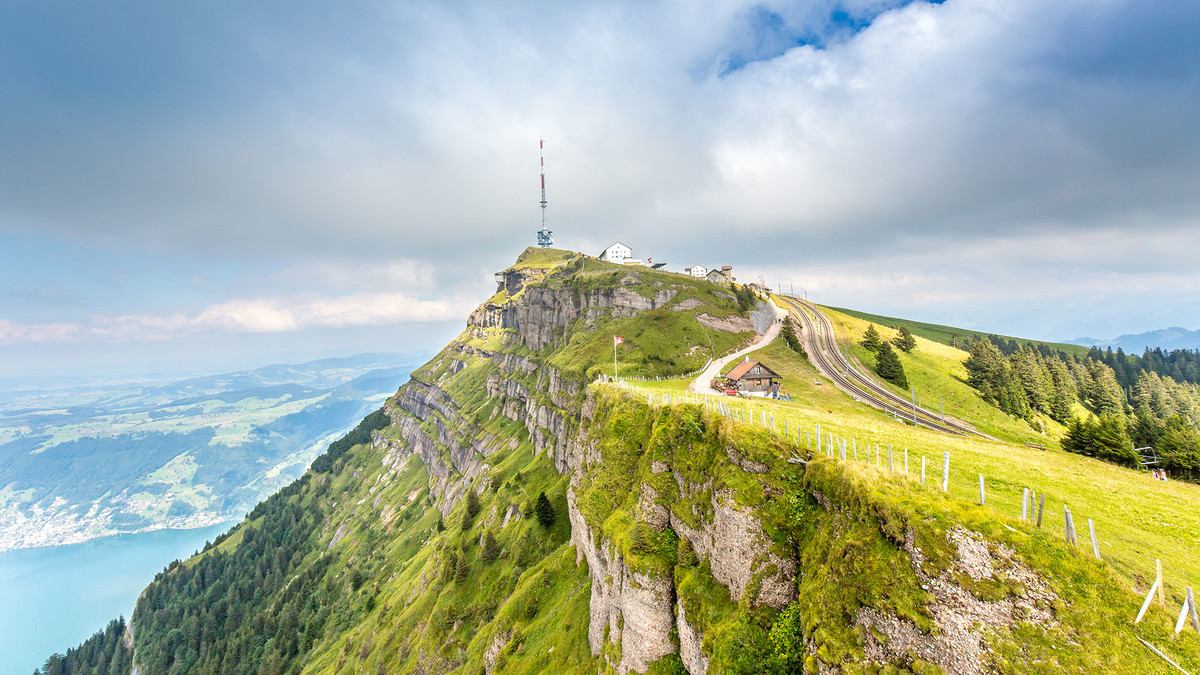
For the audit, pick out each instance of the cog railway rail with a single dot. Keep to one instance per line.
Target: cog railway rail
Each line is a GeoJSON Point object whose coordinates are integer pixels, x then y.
{"type": "Point", "coordinates": [822, 346]}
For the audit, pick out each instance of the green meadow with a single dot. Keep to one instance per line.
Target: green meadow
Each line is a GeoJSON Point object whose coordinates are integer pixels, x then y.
{"type": "Point", "coordinates": [1137, 519]}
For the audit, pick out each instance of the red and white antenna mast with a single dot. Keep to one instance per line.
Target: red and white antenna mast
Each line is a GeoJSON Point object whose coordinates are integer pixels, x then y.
{"type": "Point", "coordinates": [545, 238]}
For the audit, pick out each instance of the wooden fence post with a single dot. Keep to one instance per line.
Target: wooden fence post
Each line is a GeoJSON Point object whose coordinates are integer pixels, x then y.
{"type": "Point", "coordinates": [1183, 615]}
{"type": "Point", "coordinates": [1192, 604]}
{"type": "Point", "coordinates": [1162, 601]}
{"type": "Point", "coordinates": [906, 461]}
{"type": "Point", "coordinates": [1024, 503]}
{"type": "Point", "coordinates": [945, 470]}
{"type": "Point", "coordinates": [1146, 604]}
{"type": "Point", "coordinates": [922, 469]}
{"type": "Point", "coordinates": [1095, 544]}
{"type": "Point", "coordinates": [982, 495]}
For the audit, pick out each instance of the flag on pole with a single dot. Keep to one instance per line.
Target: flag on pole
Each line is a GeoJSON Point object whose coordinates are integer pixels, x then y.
{"type": "Point", "coordinates": [618, 340]}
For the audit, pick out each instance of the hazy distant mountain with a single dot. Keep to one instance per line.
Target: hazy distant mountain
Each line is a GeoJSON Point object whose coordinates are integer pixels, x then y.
{"type": "Point", "coordinates": [1167, 338]}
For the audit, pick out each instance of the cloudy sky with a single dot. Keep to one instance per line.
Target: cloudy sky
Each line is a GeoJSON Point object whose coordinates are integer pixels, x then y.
{"type": "Point", "coordinates": [210, 183]}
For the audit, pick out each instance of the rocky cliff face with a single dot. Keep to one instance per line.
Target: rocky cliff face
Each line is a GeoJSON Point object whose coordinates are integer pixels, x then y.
{"type": "Point", "coordinates": [734, 545]}
{"type": "Point", "coordinates": [541, 315]}
{"type": "Point", "coordinates": [636, 612]}
{"type": "Point", "coordinates": [628, 609]}
{"type": "Point", "coordinates": [674, 539]}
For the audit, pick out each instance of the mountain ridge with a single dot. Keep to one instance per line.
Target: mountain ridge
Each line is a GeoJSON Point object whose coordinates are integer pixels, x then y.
{"type": "Point", "coordinates": [1167, 339]}
{"type": "Point", "coordinates": [420, 543]}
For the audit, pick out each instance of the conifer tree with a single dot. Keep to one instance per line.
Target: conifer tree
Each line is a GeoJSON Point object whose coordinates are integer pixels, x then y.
{"type": "Point", "coordinates": [905, 340]}
{"type": "Point", "coordinates": [449, 567]}
{"type": "Point", "coordinates": [490, 549]}
{"type": "Point", "coordinates": [889, 367]}
{"type": "Point", "coordinates": [871, 339]}
{"type": "Point", "coordinates": [791, 339]}
{"type": "Point", "coordinates": [472, 503]}
{"type": "Point", "coordinates": [544, 511]}
{"type": "Point", "coordinates": [461, 568]}
{"type": "Point", "coordinates": [472, 508]}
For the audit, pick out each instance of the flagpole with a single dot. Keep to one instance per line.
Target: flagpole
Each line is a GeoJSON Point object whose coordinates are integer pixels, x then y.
{"type": "Point", "coordinates": [614, 357]}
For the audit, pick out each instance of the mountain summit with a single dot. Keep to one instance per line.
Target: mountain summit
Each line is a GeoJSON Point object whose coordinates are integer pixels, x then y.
{"type": "Point", "coordinates": [513, 509]}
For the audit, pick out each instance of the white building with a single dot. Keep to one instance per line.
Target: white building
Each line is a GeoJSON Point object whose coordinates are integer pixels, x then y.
{"type": "Point", "coordinates": [617, 253]}
{"type": "Point", "coordinates": [698, 271]}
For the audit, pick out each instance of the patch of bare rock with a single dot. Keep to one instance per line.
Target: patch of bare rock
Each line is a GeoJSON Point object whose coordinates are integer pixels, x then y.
{"type": "Point", "coordinates": [962, 621]}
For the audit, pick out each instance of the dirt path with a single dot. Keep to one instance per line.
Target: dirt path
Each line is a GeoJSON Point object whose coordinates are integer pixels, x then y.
{"type": "Point", "coordinates": [703, 382]}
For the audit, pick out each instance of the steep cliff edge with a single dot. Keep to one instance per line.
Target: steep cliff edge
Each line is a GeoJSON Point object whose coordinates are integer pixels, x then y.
{"type": "Point", "coordinates": [669, 539]}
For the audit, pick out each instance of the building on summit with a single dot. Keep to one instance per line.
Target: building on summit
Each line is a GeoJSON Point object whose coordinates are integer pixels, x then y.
{"type": "Point", "coordinates": [617, 253]}
{"type": "Point", "coordinates": [698, 271]}
{"type": "Point", "coordinates": [724, 275]}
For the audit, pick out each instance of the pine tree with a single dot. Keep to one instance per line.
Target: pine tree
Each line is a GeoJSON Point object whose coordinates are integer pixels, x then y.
{"type": "Point", "coordinates": [905, 340]}
{"type": "Point", "coordinates": [871, 339]}
{"type": "Point", "coordinates": [490, 549]}
{"type": "Point", "coordinates": [461, 568]}
{"type": "Point", "coordinates": [791, 339]}
{"type": "Point", "coordinates": [471, 510]}
{"type": "Point", "coordinates": [889, 367]}
{"type": "Point", "coordinates": [472, 503]}
{"type": "Point", "coordinates": [449, 567]}
{"type": "Point", "coordinates": [544, 511]}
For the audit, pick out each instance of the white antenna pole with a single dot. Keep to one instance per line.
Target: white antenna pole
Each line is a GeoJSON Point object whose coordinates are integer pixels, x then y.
{"type": "Point", "coordinates": [545, 238]}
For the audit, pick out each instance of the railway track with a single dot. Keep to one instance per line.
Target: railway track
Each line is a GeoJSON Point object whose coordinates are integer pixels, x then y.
{"type": "Point", "coordinates": [823, 351]}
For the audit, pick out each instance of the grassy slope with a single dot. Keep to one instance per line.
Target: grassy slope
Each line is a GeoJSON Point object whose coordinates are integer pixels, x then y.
{"type": "Point", "coordinates": [937, 372]}
{"type": "Point", "coordinates": [1137, 519]}
{"type": "Point", "coordinates": [657, 342]}
{"type": "Point", "coordinates": [943, 334]}
{"type": "Point", "coordinates": [536, 591]}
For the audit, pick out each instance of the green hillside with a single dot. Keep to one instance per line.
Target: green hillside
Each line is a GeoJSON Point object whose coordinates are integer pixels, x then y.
{"type": "Point", "coordinates": [948, 334]}
{"type": "Point", "coordinates": [511, 511]}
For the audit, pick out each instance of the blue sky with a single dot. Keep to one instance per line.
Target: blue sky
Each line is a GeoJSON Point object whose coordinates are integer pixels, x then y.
{"type": "Point", "coordinates": [204, 183]}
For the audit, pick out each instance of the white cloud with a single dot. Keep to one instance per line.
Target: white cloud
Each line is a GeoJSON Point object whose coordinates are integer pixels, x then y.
{"type": "Point", "coordinates": [977, 154]}
{"type": "Point", "coordinates": [248, 315]}
{"type": "Point", "coordinates": [13, 332]}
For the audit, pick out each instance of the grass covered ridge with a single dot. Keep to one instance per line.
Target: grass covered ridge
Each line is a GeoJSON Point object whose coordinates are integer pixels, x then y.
{"type": "Point", "coordinates": [1137, 519]}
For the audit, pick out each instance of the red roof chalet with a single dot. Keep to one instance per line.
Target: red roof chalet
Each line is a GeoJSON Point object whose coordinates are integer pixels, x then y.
{"type": "Point", "coordinates": [754, 376]}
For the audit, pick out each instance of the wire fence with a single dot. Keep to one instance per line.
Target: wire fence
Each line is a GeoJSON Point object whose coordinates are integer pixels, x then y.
{"type": "Point", "coordinates": [1033, 503]}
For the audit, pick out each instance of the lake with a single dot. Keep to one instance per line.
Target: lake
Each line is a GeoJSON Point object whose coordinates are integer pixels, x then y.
{"type": "Point", "coordinates": [54, 598]}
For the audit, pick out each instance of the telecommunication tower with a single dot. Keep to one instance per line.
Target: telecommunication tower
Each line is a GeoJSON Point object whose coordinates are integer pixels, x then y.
{"type": "Point", "coordinates": [545, 237]}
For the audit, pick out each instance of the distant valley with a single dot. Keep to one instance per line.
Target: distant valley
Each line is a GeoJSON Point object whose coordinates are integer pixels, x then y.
{"type": "Point", "coordinates": [89, 461]}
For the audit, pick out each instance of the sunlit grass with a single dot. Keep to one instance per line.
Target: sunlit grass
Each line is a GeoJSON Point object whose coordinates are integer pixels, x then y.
{"type": "Point", "coordinates": [1137, 519]}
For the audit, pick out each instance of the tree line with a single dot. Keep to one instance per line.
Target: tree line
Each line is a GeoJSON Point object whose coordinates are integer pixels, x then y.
{"type": "Point", "coordinates": [1133, 404]}
{"type": "Point", "coordinates": [105, 653]}
{"type": "Point", "coordinates": [1181, 365]}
